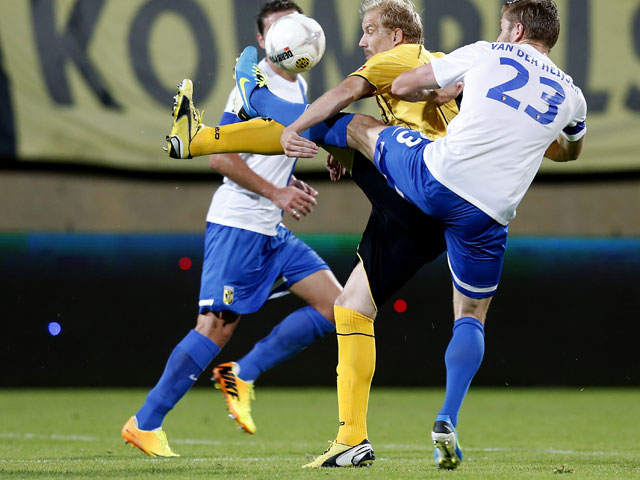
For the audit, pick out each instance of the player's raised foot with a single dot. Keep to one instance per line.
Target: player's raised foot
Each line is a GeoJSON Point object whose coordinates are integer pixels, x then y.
{"type": "Point", "coordinates": [237, 393]}
{"type": "Point", "coordinates": [248, 77]}
{"type": "Point", "coordinates": [341, 455]}
{"type": "Point", "coordinates": [447, 451]}
{"type": "Point", "coordinates": [152, 442]}
{"type": "Point", "coordinates": [187, 120]}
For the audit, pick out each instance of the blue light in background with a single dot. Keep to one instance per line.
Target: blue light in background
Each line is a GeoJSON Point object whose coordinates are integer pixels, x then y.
{"type": "Point", "coordinates": [54, 328]}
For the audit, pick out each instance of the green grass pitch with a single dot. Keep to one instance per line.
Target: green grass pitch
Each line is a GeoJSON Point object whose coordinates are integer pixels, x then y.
{"type": "Point", "coordinates": [505, 433]}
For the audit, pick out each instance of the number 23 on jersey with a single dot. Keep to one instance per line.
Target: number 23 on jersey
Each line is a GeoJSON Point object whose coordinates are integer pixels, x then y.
{"type": "Point", "coordinates": [499, 93]}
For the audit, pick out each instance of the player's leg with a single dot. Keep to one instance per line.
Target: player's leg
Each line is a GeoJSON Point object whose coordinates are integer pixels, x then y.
{"type": "Point", "coordinates": [185, 364]}
{"type": "Point", "coordinates": [299, 329]}
{"type": "Point", "coordinates": [356, 364]}
{"type": "Point", "coordinates": [355, 314]}
{"type": "Point", "coordinates": [258, 100]}
{"type": "Point", "coordinates": [189, 137]}
{"type": "Point", "coordinates": [463, 358]}
{"type": "Point", "coordinates": [465, 351]}
{"type": "Point", "coordinates": [398, 239]}
{"type": "Point", "coordinates": [308, 276]}
{"type": "Point", "coordinates": [362, 134]}
{"type": "Point", "coordinates": [475, 246]}
{"type": "Point", "coordinates": [226, 250]}
{"type": "Point", "coordinates": [232, 138]}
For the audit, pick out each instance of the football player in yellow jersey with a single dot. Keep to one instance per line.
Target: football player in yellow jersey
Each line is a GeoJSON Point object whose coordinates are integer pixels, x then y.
{"type": "Point", "coordinates": [398, 239]}
{"type": "Point", "coordinates": [379, 72]}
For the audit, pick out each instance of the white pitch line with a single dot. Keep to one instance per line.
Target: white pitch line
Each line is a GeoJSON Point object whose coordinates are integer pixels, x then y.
{"type": "Point", "coordinates": [53, 436]}
{"type": "Point", "coordinates": [309, 445]}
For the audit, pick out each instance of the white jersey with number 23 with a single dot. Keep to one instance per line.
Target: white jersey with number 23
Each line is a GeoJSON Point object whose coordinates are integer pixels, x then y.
{"type": "Point", "coordinates": [515, 103]}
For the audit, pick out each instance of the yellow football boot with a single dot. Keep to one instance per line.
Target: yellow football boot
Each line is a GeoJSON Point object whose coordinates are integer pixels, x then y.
{"type": "Point", "coordinates": [341, 455]}
{"type": "Point", "coordinates": [237, 393]}
{"type": "Point", "coordinates": [152, 442]}
{"type": "Point", "coordinates": [187, 120]}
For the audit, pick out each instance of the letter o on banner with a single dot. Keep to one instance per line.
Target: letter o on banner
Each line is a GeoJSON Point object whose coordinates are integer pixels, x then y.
{"type": "Point", "coordinates": [139, 47]}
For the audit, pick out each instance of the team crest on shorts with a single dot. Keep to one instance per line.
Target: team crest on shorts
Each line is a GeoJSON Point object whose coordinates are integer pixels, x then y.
{"type": "Point", "coordinates": [228, 295]}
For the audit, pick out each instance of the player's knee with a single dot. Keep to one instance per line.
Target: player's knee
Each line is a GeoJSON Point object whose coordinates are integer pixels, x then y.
{"type": "Point", "coordinates": [326, 310]}
{"type": "Point", "coordinates": [217, 326]}
{"type": "Point", "coordinates": [362, 133]}
{"type": "Point", "coordinates": [360, 305]}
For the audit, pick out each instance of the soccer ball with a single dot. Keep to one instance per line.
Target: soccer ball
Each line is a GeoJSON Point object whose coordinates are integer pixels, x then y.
{"type": "Point", "coordinates": [295, 43]}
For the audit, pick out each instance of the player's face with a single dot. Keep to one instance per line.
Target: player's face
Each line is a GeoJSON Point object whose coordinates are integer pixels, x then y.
{"type": "Point", "coordinates": [507, 31]}
{"type": "Point", "coordinates": [268, 21]}
{"type": "Point", "coordinates": [375, 37]}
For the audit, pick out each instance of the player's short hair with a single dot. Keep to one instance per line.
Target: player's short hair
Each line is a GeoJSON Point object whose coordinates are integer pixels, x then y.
{"type": "Point", "coordinates": [272, 7]}
{"type": "Point", "coordinates": [538, 17]}
{"type": "Point", "coordinates": [400, 14]}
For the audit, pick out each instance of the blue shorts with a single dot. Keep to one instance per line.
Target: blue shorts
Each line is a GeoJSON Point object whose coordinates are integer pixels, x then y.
{"type": "Point", "coordinates": [475, 242]}
{"type": "Point", "coordinates": [241, 268]}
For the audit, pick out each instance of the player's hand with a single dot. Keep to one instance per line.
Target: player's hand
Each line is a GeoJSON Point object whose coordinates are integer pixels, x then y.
{"type": "Point", "coordinates": [336, 170]}
{"type": "Point", "coordinates": [445, 95]}
{"type": "Point", "coordinates": [295, 200]}
{"type": "Point", "coordinates": [295, 182]}
{"type": "Point", "coordinates": [296, 146]}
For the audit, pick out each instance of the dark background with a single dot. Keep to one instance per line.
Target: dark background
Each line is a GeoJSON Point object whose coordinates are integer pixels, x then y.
{"type": "Point", "coordinates": [564, 314]}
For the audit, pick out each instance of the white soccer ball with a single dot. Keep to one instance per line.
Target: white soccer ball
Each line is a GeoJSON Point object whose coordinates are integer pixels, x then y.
{"type": "Point", "coordinates": [295, 43]}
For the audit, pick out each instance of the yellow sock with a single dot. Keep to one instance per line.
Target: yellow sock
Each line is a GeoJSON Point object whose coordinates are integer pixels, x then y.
{"type": "Point", "coordinates": [356, 364]}
{"type": "Point", "coordinates": [255, 136]}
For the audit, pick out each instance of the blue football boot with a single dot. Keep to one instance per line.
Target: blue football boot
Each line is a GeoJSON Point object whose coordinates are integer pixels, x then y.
{"type": "Point", "coordinates": [447, 452]}
{"type": "Point", "coordinates": [248, 77]}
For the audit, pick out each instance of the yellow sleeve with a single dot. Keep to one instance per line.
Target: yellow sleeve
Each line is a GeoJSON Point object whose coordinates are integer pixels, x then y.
{"type": "Point", "coordinates": [381, 69]}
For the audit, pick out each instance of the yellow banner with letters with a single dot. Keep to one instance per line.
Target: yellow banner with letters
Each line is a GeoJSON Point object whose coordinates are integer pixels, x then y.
{"type": "Point", "coordinates": [91, 81]}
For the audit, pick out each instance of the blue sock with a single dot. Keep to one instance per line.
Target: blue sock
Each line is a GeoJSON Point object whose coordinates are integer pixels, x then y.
{"type": "Point", "coordinates": [187, 361]}
{"type": "Point", "coordinates": [462, 359]}
{"type": "Point", "coordinates": [267, 104]}
{"type": "Point", "coordinates": [290, 336]}
{"type": "Point", "coordinates": [331, 132]}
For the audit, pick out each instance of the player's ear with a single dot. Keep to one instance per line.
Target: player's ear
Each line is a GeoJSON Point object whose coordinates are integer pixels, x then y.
{"type": "Point", "coordinates": [260, 39]}
{"type": "Point", "coordinates": [398, 36]}
{"type": "Point", "coordinates": [519, 32]}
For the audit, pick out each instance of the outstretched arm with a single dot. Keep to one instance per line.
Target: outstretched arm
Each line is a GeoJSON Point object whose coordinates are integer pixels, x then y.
{"type": "Point", "coordinates": [441, 96]}
{"type": "Point", "coordinates": [297, 198]}
{"type": "Point", "coordinates": [415, 85]}
{"type": "Point", "coordinates": [332, 102]}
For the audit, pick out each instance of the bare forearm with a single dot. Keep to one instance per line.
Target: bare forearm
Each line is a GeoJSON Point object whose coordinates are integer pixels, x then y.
{"type": "Point", "coordinates": [329, 104]}
{"type": "Point", "coordinates": [415, 85]}
{"type": "Point", "coordinates": [332, 102]}
{"type": "Point", "coordinates": [235, 168]}
{"type": "Point", "coordinates": [562, 150]}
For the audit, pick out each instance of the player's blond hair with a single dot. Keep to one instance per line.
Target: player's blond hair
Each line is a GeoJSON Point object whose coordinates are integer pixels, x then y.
{"type": "Point", "coordinates": [400, 14]}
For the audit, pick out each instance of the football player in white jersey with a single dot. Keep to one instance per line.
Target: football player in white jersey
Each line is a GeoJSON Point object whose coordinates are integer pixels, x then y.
{"type": "Point", "coordinates": [518, 107]}
{"type": "Point", "coordinates": [247, 251]}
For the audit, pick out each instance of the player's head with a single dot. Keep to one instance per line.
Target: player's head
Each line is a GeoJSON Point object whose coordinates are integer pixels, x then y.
{"type": "Point", "coordinates": [530, 21]}
{"type": "Point", "coordinates": [270, 12]}
{"type": "Point", "coordinates": [388, 23]}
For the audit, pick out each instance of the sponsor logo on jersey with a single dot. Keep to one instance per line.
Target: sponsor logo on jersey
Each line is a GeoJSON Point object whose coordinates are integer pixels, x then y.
{"type": "Point", "coordinates": [361, 68]}
{"type": "Point", "coordinates": [228, 295]}
{"type": "Point", "coordinates": [279, 57]}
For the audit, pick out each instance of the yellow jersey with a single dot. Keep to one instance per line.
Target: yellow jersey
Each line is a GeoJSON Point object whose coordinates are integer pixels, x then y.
{"type": "Point", "coordinates": [380, 71]}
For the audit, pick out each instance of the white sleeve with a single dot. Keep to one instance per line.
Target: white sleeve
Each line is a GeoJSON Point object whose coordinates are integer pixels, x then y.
{"type": "Point", "coordinates": [305, 87]}
{"type": "Point", "coordinates": [229, 106]}
{"type": "Point", "coordinates": [581, 111]}
{"type": "Point", "coordinates": [577, 127]}
{"type": "Point", "coordinates": [453, 67]}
